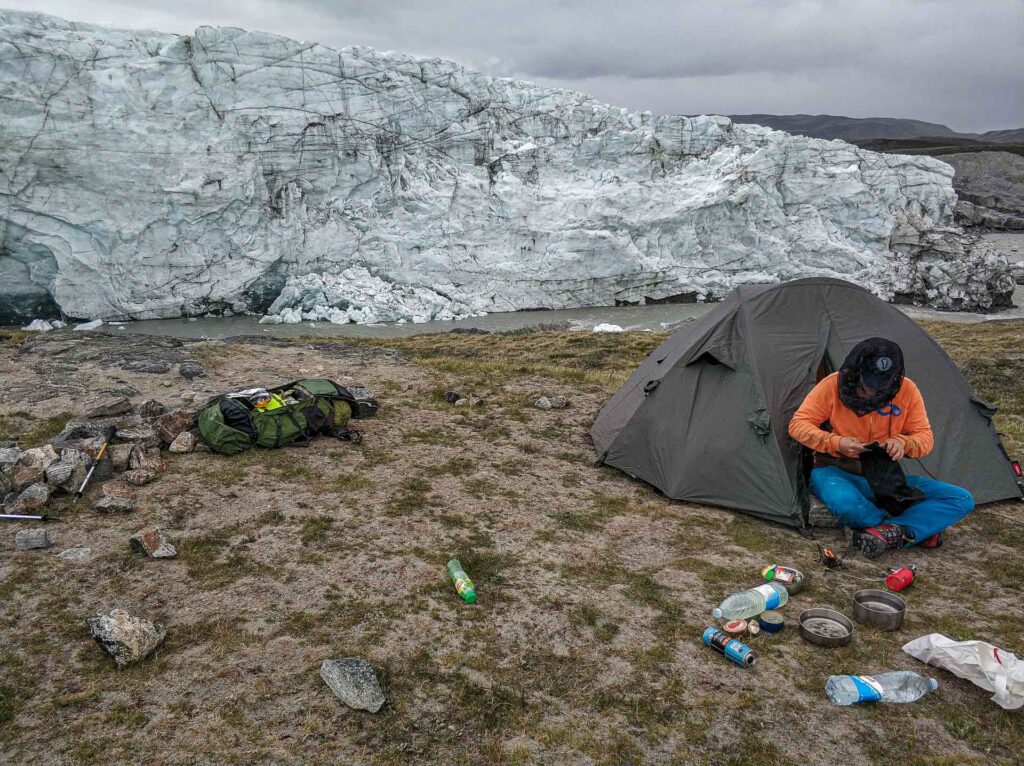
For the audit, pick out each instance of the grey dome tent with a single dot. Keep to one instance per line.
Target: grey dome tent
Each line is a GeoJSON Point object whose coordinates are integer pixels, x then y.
{"type": "Point", "coordinates": [705, 417]}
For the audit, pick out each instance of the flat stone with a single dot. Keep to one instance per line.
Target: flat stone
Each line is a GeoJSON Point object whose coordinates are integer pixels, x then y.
{"type": "Point", "coordinates": [9, 456]}
{"type": "Point", "coordinates": [126, 638]}
{"type": "Point", "coordinates": [75, 555]}
{"type": "Point", "coordinates": [142, 436]}
{"type": "Point", "coordinates": [138, 477]}
{"type": "Point", "coordinates": [117, 489]}
{"type": "Point", "coordinates": [353, 682]}
{"type": "Point", "coordinates": [39, 457]}
{"type": "Point", "coordinates": [118, 405]}
{"type": "Point", "coordinates": [32, 498]}
{"type": "Point", "coordinates": [151, 542]}
{"type": "Point", "coordinates": [152, 368]}
{"type": "Point", "coordinates": [37, 537]}
{"type": "Point", "coordinates": [183, 442]}
{"type": "Point", "coordinates": [173, 423]}
{"type": "Point", "coordinates": [26, 475]}
{"type": "Point", "coordinates": [151, 408]}
{"type": "Point", "coordinates": [113, 504]}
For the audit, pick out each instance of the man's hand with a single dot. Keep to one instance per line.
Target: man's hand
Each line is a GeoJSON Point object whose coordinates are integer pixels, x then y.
{"type": "Point", "coordinates": [894, 448]}
{"type": "Point", "coordinates": [850, 447]}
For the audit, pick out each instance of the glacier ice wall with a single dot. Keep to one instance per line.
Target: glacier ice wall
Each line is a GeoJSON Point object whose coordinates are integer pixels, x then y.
{"type": "Point", "coordinates": [149, 175]}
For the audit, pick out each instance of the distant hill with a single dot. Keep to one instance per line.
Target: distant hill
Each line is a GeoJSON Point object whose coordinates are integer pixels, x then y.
{"type": "Point", "coordinates": [858, 129]}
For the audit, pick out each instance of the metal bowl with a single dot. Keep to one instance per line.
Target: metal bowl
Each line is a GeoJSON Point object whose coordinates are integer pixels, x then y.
{"type": "Point", "coordinates": [879, 608]}
{"type": "Point", "coordinates": [826, 627]}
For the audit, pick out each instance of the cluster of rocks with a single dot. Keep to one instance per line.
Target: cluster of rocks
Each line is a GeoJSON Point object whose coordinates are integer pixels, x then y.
{"type": "Point", "coordinates": [30, 479]}
{"type": "Point", "coordinates": [462, 400]}
{"type": "Point", "coordinates": [551, 403]}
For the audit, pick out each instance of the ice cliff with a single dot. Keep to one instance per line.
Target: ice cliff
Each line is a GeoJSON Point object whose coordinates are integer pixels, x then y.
{"type": "Point", "coordinates": [152, 175]}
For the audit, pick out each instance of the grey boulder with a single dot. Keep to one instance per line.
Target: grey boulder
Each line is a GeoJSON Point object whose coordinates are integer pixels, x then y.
{"type": "Point", "coordinates": [353, 682]}
{"type": "Point", "coordinates": [32, 498]}
{"type": "Point", "coordinates": [126, 638]}
{"type": "Point", "coordinates": [116, 406]}
{"type": "Point", "coordinates": [29, 539]}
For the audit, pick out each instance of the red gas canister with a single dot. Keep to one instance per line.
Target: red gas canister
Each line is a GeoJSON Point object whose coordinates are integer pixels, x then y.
{"type": "Point", "coordinates": [900, 578]}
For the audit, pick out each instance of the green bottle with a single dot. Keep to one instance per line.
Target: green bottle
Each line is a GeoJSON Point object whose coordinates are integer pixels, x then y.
{"type": "Point", "coordinates": [463, 585]}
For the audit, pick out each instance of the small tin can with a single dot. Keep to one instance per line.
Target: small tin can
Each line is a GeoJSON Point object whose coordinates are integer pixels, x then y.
{"type": "Point", "coordinates": [723, 643]}
{"type": "Point", "coordinates": [771, 621]}
{"type": "Point", "coordinates": [792, 579]}
{"type": "Point", "coordinates": [735, 627]}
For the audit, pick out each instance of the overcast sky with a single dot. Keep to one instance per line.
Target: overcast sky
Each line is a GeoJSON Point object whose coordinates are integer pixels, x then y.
{"type": "Point", "coordinates": [958, 62]}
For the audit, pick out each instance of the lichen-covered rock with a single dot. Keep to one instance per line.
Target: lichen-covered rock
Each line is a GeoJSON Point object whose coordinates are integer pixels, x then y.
{"type": "Point", "coordinates": [59, 473]}
{"type": "Point", "coordinates": [141, 436]}
{"type": "Point", "coordinates": [191, 370]}
{"type": "Point", "coordinates": [353, 681]}
{"type": "Point", "coordinates": [148, 460]}
{"type": "Point", "coordinates": [151, 408]}
{"type": "Point", "coordinates": [23, 476]}
{"type": "Point", "coordinates": [171, 425]}
{"type": "Point", "coordinates": [119, 455]}
{"type": "Point", "coordinates": [28, 539]}
{"type": "Point", "coordinates": [116, 406]}
{"type": "Point", "coordinates": [126, 638]}
{"type": "Point", "coordinates": [151, 542]}
{"type": "Point", "coordinates": [138, 477]}
{"type": "Point", "coordinates": [356, 185]}
{"type": "Point", "coordinates": [115, 497]}
{"type": "Point", "coordinates": [9, 456]}
{"type": "Point", "coordinates": [39, 457]}
{"type": "Point", "coordinates": [183, 442]}
{"type": "Point", "coordinates": [32, 498]}
{"type": "Point", "coordinates": [75, 555]}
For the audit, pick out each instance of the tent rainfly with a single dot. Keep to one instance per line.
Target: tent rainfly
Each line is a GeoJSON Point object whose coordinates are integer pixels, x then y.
{"type": "Point", "coordinates": [705, 417]}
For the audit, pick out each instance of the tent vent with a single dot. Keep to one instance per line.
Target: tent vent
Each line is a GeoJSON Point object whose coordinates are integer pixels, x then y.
{"type": "Point", "coordinates": [650, 385]}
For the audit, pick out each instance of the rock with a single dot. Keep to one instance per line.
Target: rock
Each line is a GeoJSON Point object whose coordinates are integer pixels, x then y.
{"type": "Point", "coordinates": [32, 498]}
{"type": "Point", "coordinates": [151, 368]}
{"type": "Point", "coordinates": [558, 402]}
{"type": "Point", "coordinates": [153, 544]}
{"type": "Point", "coordinates": [76, 555]}
{"type": "Point", "coordinates": [172, 424]}
{"type": "Point", "coordinates": [28, 539]}
{"type": "Point", "coordinates": [354, 683]}
{"type": "Point", "coordinates": [6, 486]}
{"type": "Point", "coordinates": [184, 442]}
{"type": "Point", "coordinates": [116, 406]}
{"type": "Point", "coordinates": [188, 397]}
{"type": "Point", "coordinates": [138, 477]}
{"type": "Point", "coordinates": [40, 457]}
{"type": "Point", "coordinates": [25, 475]}
{"type": "Point", "coordinates": [149, 460]}
{"type": "Point", "coordinates": [151, 408]}
{"type": "Point", "coordinates": [191, 370]}
{"type": "Point", "coordinates": [543, 403]}
{"type": "Point", "coordinates": [126, 638]}
{"type": "Point", "coordinates": [58, 473]}
{"type": "Point", "coordinates": [561, 200]}
{"type": "Point", "coordinates": [167, 384]}
{"type": "Point", "coordinates": [9, 457]}
{"type": "Point", "coordinates": [79, 462]}
{"type": "Point", "coordinates": [141, 436]}
{"type": "Point", "coordinates": [119, 455]}
{"type": "Point", "coordinates": [452, 397]}
{"type": "Point", "coordinates": [115, 497]}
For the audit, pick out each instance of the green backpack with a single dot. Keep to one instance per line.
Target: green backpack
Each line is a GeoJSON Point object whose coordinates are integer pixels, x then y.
{"type": "Point", "coordinates": [291, 414]}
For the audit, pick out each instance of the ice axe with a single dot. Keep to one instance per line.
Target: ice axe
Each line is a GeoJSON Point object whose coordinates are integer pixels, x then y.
{"type": "Point", "coordinates": [107, 436]}
{"type": "Point", "coordinates": [25, 517]}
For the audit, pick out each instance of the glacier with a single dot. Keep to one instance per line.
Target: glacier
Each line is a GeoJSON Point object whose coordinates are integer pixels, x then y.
{"type": "Point", "coordinates": [147, 175]}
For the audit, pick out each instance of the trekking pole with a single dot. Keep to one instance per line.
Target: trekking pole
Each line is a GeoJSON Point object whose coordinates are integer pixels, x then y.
{"type": "Point", "coordinates": [23, 517]}
{"type": "Point", "coordinates": [94, 462]}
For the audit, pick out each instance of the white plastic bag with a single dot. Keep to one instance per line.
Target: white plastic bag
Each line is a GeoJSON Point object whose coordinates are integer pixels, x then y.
{"type": "Point", "coordinates": [982, 664]}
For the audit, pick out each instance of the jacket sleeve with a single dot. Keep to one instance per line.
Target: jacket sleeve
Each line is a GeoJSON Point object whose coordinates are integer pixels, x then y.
{"type": "Point", "coordinates": [805, 425]}
{"type": "Point", "coordinates": [916, 435]}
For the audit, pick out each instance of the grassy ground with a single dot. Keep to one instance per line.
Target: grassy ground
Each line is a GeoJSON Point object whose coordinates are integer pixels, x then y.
{"type": "Point", "coordinates": [585, 645]}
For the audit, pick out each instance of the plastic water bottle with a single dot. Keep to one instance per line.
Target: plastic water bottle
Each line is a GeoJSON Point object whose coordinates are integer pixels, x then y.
{"type": "Point", "coordinates": [459, 578]}
{"type": "Point", "coordinates": [750, 603]}
{"type": "Point", "coordinates": [901, 686]}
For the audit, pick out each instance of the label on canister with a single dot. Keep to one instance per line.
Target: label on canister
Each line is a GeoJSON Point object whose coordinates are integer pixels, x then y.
{"type": "Point", "coordinates": [723, 643]}
{"type": "Point", "coordinates": [771, 621]}
{"type": "Point", "coordinates": [771, 596]}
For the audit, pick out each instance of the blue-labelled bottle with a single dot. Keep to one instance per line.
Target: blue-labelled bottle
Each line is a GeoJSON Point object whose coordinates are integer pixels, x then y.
{"type": "Point", "coordinates": [725, 644]}
{"type": "Point", "coordinates": [750, 603]}
{"type": "Point", "coordinates": [901, 686]}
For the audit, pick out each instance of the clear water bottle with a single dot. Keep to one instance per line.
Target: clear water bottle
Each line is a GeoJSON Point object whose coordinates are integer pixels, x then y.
{"type": "Point", "coordinates": [901, 686]}
{"type": "Point", "coordinates": [750, 603]}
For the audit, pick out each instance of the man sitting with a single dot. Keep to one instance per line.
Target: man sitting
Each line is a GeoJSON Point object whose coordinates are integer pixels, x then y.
{"type": "Point", "coordinates": [870, 400]}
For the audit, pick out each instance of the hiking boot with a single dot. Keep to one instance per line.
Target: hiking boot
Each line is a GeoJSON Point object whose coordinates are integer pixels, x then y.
{"type": "Point", "coordinates": [874, 541]}
{"type": "Point", "coordinates": [935, 541]}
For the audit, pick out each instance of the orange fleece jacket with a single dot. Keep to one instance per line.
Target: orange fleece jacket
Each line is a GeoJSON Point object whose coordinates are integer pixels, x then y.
{"type": "Point", "coordinates": [911, 426]}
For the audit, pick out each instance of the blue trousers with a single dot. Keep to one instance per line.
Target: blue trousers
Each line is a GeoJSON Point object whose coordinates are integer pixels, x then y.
{"type": "Point", "coordinates": [849, 498]}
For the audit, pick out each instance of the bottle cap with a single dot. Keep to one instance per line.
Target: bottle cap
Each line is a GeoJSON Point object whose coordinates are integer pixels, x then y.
{"type": "Point", "coordinates": [470, 597]}
{"type": "Point", "coordinates": [716, 613]}
{"type": "Point", "coordinates": [933, 683]}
